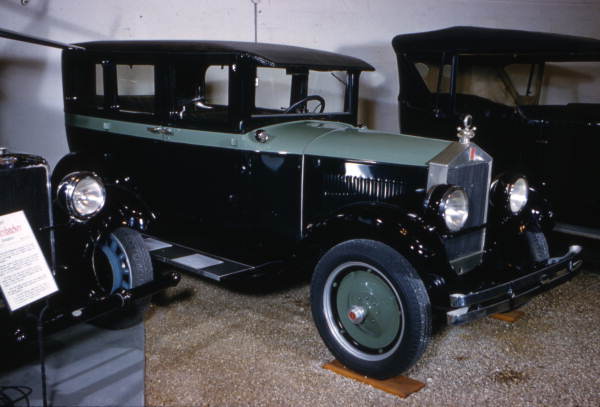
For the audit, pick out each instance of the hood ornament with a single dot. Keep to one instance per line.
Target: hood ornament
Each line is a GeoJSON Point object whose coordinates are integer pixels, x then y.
{"type": "Point", "coordinates": [467, 132]}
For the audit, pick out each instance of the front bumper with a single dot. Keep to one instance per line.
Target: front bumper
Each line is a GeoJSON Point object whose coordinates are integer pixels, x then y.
{"type": "Point", "coordinates": [512, 294]}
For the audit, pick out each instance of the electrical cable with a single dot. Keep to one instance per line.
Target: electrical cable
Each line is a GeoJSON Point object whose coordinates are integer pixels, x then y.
{"type": "Point", "coordinates": [40, 332]}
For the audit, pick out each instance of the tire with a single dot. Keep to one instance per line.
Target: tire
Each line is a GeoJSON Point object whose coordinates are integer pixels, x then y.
{"type": "Point", "coordinates": [376, 286]}
{"type": "Point", "coordinates": [121, 261]}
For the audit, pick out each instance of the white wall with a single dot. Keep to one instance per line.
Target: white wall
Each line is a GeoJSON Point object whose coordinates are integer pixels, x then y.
{"type": "Point", "coordinates": [31, 117]}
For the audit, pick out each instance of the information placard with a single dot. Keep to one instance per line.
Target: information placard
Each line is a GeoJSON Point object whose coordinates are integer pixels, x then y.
{"type": "Point", "coordinates": [24, 273]}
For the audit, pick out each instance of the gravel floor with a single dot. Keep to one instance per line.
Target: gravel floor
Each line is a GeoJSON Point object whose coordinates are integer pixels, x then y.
{"type": "Point", "coordinates": [255, 344]}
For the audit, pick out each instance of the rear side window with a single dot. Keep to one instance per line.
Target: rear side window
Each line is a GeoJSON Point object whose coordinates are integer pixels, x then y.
{"type": "Point", "coordinates": [135, 88]}
{"type": "Point", "coordinates": [202, 93]}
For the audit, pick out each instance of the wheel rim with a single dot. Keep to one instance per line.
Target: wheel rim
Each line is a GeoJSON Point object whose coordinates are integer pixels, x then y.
{"type": "Point", "coordinates": [363, 311]}
{"type": "Point", "coordinates": [119, 263]}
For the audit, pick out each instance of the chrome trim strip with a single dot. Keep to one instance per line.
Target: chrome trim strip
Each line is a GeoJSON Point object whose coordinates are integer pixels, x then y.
{"type": "Point", "coordinates": [302, 197]}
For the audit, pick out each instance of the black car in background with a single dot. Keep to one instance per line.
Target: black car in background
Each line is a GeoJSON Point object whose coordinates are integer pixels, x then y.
{"type": "Point", "coordinates": [234, 159]}
{"type": "Point", "coordinates": [534, 98]}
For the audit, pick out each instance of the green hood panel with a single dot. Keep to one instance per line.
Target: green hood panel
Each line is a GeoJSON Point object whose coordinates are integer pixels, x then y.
{"type": "Point", "coordinates": [291, 137]}
{"type": "Point", "coordinates": [311, 137]}
{"type": "Point", "coordinates": [339, 140]}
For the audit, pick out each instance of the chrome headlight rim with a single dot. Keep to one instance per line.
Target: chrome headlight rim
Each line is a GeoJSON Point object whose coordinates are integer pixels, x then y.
{"type": "Point", "coordinates": [518, 195]}
{"type": "Point", "coordinates": [438, 203]}
{"type": "Point", "coordinates": [67, 189]}
{"type": "Point", "coordinates": [504, 188]}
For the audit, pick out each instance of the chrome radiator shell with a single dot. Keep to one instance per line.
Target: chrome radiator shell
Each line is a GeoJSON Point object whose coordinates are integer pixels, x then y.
{"type": "Point", "coordinates": [470, 167]}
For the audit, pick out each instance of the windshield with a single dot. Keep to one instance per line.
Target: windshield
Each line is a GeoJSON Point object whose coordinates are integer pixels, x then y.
{"type": "Point", "coordinates": [539, 83]}
{"type": "Point", "coordinates": [280, 91]}
{"type": "Point", "coordinates": [518, 84]}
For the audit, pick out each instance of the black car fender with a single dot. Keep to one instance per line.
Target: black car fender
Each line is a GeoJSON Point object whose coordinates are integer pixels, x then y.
{"type": "Point", "coordinates": [403, 230]}
{"type": "Point", "coordinates": [124, 207]}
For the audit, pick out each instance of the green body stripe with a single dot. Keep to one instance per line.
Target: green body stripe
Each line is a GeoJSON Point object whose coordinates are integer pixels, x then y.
{"type": "Point", "coordinates": [310, 137]}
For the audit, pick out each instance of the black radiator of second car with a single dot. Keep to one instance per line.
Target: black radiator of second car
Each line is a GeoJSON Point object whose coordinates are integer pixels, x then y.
{"type": "Point", "coordinates": [24, 186]}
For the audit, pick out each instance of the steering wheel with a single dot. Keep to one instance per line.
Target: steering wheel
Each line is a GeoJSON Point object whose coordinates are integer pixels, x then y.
{"type": "Point", "coordinates": [295, 107]}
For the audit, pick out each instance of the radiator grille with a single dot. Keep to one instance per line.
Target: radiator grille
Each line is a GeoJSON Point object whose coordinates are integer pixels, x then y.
{"type": "Point", "coordinates": [26, 189]}
{"type": "Point", "coordinates": [342, 186]}
{"type": "Point", "coordinates": [473, 177]}
{"type": "Point", "coordinates": [469, 167]}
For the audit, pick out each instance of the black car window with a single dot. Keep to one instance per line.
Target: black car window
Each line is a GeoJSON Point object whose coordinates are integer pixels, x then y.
{"type": "Point", "coordinates": [484, 81]}
{"type": "Point", "coordinates": [202, 93]}
{"type": "Point", "coordinates": [135, 88]}
{"type": "Point", "coordinates": [99, 87]}
{"type": "Point", "coordinates": [430, 73]}
{"type": "Point", "coordinates": [331, 85]}
{"type": "Point", "coordinates": [571, 82]}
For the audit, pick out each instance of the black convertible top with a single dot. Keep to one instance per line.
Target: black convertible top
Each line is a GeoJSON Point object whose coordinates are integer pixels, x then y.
{"type": "Point", "coordinates": [456, 40]}
{"type": "Point", "coordinates": [274, 55]}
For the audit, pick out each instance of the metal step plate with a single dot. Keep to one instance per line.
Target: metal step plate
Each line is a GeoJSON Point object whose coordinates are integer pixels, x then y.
{"type": "Point", "coordinates": [194, 261]}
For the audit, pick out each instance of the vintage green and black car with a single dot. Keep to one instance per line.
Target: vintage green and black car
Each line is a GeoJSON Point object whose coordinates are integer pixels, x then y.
{"type": "Point", "coordinates": [238, 158]}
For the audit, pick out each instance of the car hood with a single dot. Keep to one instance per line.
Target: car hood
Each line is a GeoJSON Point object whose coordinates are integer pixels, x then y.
{"type": "Point", "coordinates": [341, 140]}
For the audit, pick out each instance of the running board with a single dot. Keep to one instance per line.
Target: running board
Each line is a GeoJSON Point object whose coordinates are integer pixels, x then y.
{"type": "Point", "coordinates": [194, 261]}
{"type": "Point", "coordinates": [576, 230]}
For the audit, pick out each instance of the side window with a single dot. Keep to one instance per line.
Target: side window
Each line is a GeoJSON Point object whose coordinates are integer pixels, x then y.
{"type": "Point", "coordinates": [272, 92]}
{"type": "Point", "coordinates": [202, 93]}
{"type": "Point", "coordinates": [430, 73]}
{"type": "Point", "coordinates": [135, 88]}
{"type": "Point", "coordinates": [314, 92]}
{"type": "Point", "coordinates": [98, 94]}
{"type": "Point", "coordinates": [484, 81]}
{"type": "Point", "coordinates": [331, 86]}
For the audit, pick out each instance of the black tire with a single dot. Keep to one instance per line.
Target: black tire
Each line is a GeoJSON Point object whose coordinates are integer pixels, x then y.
{"type": "Point", "coordinates": [379, 284]}
{"type": "Point", "coordinates": [138, 271]}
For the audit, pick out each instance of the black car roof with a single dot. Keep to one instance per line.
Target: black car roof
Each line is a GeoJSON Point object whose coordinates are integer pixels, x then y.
{"type": "Point", "coordinates": [274, 55]}
{"type": "Point", "coordinates": [456, 40]}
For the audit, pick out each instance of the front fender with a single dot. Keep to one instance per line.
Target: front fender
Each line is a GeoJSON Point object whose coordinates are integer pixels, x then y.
{"type": "Point", "coordinates": [124, 207]}
{"type": "Point", "coordinates": [406, 232]}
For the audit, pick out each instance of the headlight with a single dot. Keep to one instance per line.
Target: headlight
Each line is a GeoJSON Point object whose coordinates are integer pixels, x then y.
{"type": "Point", "coordinates": [510, 193]}
{"type": "Point", "coordinates": [448, 206]}
{"type": "Point", "coordinates": [518, 192]}
{"type": "Point", "coordinates": [82, 194]}
{"type": "Point", "coordinates": [454, 208]}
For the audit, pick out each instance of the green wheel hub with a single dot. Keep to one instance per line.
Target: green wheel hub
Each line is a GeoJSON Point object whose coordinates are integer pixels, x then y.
{"type": "Point", "coordinates": [363, 289]}
{"type": "Point", "coordinates": [364, 310]}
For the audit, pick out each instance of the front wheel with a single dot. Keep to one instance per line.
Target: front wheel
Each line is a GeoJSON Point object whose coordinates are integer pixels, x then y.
{"type": "Point", "coordinates": [121, 261]}
{"type": "Point", "coordinates": [371, 308]}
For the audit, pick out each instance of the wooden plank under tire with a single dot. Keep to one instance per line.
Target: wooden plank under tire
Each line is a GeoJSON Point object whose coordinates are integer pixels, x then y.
{"type": "Point", "coordinates": [401, 386]}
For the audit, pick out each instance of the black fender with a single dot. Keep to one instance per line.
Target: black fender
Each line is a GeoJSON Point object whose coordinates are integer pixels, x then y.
{"type": "Point", "coordinates": [124, 204]}
{"type": "Point", "coordinates": [405, 231]}
{"type": "Point", "coordinates": [507, 238]}
{"type": "Point", "coordinates": [76, 241]}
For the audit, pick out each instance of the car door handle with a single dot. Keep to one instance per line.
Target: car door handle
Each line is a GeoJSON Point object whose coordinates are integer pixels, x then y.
{"type": "Point", "coordinates": [166, 131]}
{"type": "Point", "coordinates": [155, 130]}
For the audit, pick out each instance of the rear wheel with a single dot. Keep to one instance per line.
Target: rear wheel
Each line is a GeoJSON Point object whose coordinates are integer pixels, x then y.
{"type": "Point", "coordinates": [371, 308]}
{"type": "Point", "coordinates": [121, 261]}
